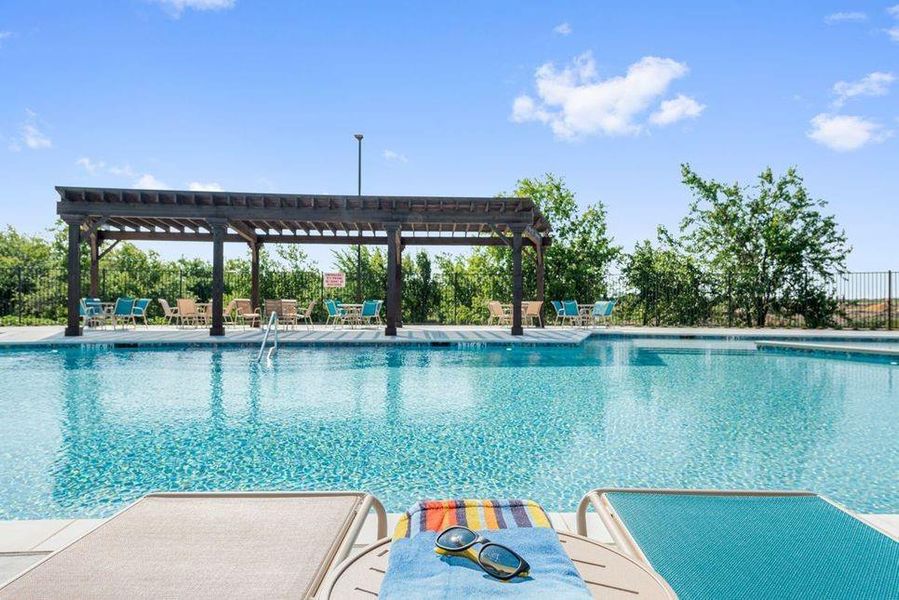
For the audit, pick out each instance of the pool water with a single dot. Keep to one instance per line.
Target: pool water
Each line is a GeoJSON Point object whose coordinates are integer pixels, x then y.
{"type": "Point", "coordinates": [84, 431]}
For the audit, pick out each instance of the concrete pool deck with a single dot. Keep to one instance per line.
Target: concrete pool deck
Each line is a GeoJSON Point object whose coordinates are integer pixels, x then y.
{"type": "Point", "coordinates": [23, 543]}
{"type": "Point", "coordinates": [426, 334]}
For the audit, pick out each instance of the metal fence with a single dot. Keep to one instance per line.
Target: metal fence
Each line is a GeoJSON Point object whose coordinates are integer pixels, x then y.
{"type": "Point", "coordinates": [859, 300]}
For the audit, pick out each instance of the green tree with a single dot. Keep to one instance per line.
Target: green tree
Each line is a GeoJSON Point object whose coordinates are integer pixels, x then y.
{"type": "Point", "coordinates": [769, 243]}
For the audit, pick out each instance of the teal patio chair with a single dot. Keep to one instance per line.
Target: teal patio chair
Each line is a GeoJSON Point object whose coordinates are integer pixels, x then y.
{"type": "Point", "coordinates": [560, 311]}
{"type": "Point", "coordinates": [139, 311]}
{"type": "Point", "coordinates": [91, 314]}
{"type": "Point", "coordinates": [370, 312]}
{"type": "Point", "coordinates": [122, 311]}
{"type": "Point", "coordinates": [335, 313]}
{"type": "Point", "coordinates": [571, 313]}
{"type": "Point", "coordinates": [739, 544]}
{"type": "Point", "coordinates": [602, 311]}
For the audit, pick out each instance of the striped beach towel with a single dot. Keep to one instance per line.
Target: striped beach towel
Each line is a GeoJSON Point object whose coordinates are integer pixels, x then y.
{"type": "Point", "coordinates": [416, 570]}
{"type": "Point", "coordinates": [437, 515]}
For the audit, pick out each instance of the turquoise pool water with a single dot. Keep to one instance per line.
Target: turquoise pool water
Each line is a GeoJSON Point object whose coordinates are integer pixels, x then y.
{"type": "Point", "coordinates": [83, 431]}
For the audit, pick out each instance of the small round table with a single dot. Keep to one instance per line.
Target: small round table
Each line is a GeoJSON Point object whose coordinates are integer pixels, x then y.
{"type": "Point", "coordinates": [609, 574]}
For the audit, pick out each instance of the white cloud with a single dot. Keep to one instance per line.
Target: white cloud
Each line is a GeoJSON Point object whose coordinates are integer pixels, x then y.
{"type": "Point", "coordinates": [176, 7]}
{"type": "Point", "coordinates": [30, 135]}
{"type": "Point", "coordinates": [148, 182]}
{"type": "Point", "coordinates": [4, 35]}
{"type": "Point", "coordinates": [671, 111]}
{"type": "Point", "coordinates": [575, 102]}
{"type": "Point", "coordinates": [562, 29]}
{"type": "Point", "coordinates": [845, 17]}
{"type": "Point", "coordinates": [893, 32]}
{"type": "Point", "coordinates": [124, 170]}
{"type": "Point", "coordinates": [873, 84]}
{"type": "Point", "coordinates": [844, 133]}
{"type": "Point", "coordinates": [89, 165]}
{"type": "Point", "coordinates": [196, 186]}
{"type": "Point", "coordinates": [392, 156]}
{"type": "Point", "coordinates": [893, 11]}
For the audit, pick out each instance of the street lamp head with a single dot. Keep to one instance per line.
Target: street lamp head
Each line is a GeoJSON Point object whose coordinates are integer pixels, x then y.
{"type": "Point", "coordinates": [358, 136]}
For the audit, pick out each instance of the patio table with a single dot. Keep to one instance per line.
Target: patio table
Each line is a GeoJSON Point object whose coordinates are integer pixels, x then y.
{"type": "Point", "coordinates": [352, 313]}
{"type": "Point", "coordinates": [204, 309]}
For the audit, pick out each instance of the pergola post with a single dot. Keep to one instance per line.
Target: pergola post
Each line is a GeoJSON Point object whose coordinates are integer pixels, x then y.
{"type": "Point", "coordinates": [538, 248]}
{"type": "Point", "coordinates": [219, 227]}
{"type": "Point", "coordinates": [95, 264]}
{"type": "Point", "coordinates": [399, 282]}
{"type": "Point", "coordinates": [517, 285]}
{"type": "Point", "coordinates": [393, 277]}
{"type": "Point", "coordinates": [73, 324]}
{"type": "Point", "coordinates": [254, 277]}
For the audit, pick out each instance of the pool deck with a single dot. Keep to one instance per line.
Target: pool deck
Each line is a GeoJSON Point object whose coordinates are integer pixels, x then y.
{"type": "Point", "coordinates": [23, 543]}
{"type": "Point", "coordinates": [428, 334]}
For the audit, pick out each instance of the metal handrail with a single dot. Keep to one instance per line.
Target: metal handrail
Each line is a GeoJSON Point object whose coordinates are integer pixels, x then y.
{"type": "Point", "coordinates": [272, 322]}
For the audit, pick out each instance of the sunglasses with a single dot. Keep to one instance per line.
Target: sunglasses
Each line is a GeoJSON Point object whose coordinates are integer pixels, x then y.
{"type": "Point", "coordinates": [496, 560]}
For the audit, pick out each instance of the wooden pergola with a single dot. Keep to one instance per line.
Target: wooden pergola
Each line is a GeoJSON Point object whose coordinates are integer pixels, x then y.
{"type": "Point", "coordinates": [96, 215]}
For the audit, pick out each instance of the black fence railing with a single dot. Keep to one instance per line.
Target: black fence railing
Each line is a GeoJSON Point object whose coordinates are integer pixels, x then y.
{"type": "Point", "coordinates": [858, 300]}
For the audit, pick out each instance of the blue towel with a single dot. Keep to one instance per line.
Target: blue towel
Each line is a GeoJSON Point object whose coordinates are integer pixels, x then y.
{"type": "Point", "coordinates": [416, 570]}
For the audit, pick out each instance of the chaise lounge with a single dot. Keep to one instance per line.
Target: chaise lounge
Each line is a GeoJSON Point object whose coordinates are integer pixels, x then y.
{"type": "Point", "coordinates": [738, 544]}
{"type": "Point", "coordinates": [206, 546]}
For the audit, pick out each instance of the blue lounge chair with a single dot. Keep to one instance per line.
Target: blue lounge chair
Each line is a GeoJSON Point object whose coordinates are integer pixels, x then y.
{"type": "Point", "coordinates": [122, 311]}
{"type": "Point", "coordinates": [602, 310]}
{"type": "Point", "coordinates": [139, 311]}
{"type": "Point", "coordinates": [717, 544]}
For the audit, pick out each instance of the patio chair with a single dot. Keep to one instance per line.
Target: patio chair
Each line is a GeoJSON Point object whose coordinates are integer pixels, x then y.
{"type": "Point", "coordinates": [122, 311]}
{"type": "Point", "coordinates": [335, 313]}
{"type": "Point", "coordinates": [572, 313]}
{"type": "Point", "coordinates": [269, 307]}
{"type": "Point", "coordinates": [170, 314]}
{"type": "Point", "coordinates": [288, 314]}
{"type": "Point", "coordinates": [91, 314]}
{"type": "Point", "coordinates": [207, 546]}
{"type": "Point", "coordinates": [369, 313]}
{"type": "Point", "coordinates": [306, 317]}
{"type": "Point", "coordinates": [560, 311]}
{"type": "Point", "coordinates": [735, 544]}
{"type": "Point", "coordinates": [139, 311]}
{"type": "Point", "coordinates": [245, 313]}
{"type": "Point", "coordinates": [532, 312]}
{"type": "Point", "coordinates": [497, 315]}
{"type": "Point", "coordinates": [228, 312]}
{"type": "Point", "coordinates": [187, 312]}
{"type": "Point", "coordinates": [602, 311]}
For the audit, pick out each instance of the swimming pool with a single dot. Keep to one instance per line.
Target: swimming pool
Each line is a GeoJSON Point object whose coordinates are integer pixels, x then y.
{"type": "Point", "coordinates": [84, 430]}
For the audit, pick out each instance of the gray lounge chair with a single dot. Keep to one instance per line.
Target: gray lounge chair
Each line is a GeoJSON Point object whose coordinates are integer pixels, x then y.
{"type": "Point", "coordinates": [206, 545]}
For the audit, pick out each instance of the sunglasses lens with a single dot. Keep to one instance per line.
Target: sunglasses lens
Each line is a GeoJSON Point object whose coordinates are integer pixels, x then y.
{"type": "Point", "coordinates": [455, 538]}
{"type": "Point", "coordinates": [499, 561]}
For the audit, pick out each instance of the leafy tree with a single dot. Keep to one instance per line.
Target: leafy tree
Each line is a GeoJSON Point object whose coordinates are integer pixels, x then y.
{"type": "Point", "coordinates": [671, 288]}
{"type": "Point", "coordinates": [769, 243]}
{"type": "Point", "coordinates": [421, 295]}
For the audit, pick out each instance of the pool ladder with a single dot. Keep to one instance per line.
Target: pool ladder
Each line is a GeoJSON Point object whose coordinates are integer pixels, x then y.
{"type": "Point", "coordinates": [272, 324]}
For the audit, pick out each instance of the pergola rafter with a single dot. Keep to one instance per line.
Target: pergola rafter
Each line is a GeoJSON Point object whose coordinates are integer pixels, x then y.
{"type": "Point", "coordinates": [114, 214]}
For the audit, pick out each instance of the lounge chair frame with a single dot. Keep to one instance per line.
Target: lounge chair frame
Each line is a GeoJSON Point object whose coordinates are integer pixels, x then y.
{"type": "Point", "coordinates": [335, 556]}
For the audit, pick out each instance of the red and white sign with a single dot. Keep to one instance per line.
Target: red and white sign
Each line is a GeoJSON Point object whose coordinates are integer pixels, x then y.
{"type": "Point", "coordinates": [335, 280]}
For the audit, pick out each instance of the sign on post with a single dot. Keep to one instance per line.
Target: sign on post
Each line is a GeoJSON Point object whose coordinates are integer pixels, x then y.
{"type": "Point", "coordinates": [335, 280]}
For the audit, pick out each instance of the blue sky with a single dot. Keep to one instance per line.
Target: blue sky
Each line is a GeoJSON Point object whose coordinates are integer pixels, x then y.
{"type": "Point", "coordinates": [455, 99]}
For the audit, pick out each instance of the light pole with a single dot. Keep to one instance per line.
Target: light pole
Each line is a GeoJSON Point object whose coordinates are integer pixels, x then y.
{"type": "Point", "coordinates": [358, 137]}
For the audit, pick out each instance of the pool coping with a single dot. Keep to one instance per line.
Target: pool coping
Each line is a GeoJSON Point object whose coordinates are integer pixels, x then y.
{"type": "Point", "coordinates": [437, 336]}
